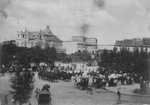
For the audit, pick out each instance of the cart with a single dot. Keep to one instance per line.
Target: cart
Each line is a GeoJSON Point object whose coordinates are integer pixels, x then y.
{"type": "Point", "coordinates": [97, 82]}
{"type": "Point", "coordinates": [83, 83]}
{"type": "Point", "coordinates": [44, 97]}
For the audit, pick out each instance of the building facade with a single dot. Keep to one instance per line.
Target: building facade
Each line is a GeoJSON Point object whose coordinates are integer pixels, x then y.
{"type": "Point", "coordinates": [131, 44]}
{"type": "Point", "coordinates": [42, 38]}
{"type": "Point", "coordinates": [80, 43]}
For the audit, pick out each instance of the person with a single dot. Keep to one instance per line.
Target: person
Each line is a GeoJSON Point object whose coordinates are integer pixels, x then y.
{"type": "Point", "coordinates": [36, 92]}
{"type": "Point", "coordinates": [47, 89]}
{"type": "Point", "coordinates": [3, 72]}
{"type": "Point", "coordinates": [107, 85]}
{"type": "Point", "coordinates": [132, 81]}
{"type": "Point", "coordinates": [90, 89]}
{"type": "Point", "coordinates": [119, 94]}
{"type": "Point", "coordinates": [75, 80]}
{"type": "Point", "coordinates": [39, 91]}
{"type": "Point", "coordinates": [125, 83]}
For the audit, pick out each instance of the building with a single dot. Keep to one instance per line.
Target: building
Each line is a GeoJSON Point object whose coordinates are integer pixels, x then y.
{"type": "Point", "coordinates": [42, 38]}
{"type": "Point", "coordinates": [9, 42]}
{"type": "Point", "coordinates": [137, 42]}
{"type": "Point", "coordinates": [119, 43]}
{"type": "Point", "coordinates": [80, 43]}
{"type": "Point", "coordinates": [128, 42]}
{"type": "Point", "coordinates": [133, 43]}
{"type": "Point", "coordinates": [146, 42]}
{"type": "Point", "coordinates": [71, 47]}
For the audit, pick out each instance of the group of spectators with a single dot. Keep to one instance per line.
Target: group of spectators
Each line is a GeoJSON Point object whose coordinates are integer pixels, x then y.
{"type": "Point", "coordinates": [106, 78]}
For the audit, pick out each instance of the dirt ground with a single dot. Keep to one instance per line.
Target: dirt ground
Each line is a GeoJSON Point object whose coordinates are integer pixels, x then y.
{"type": "Point", "coordinates": [65, 93]}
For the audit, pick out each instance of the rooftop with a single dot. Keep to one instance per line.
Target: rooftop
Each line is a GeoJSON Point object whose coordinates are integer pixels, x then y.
{"type": "Point", "coordinates": [119, 43]}
{"type": "Point", "coordinates": [52, 38]}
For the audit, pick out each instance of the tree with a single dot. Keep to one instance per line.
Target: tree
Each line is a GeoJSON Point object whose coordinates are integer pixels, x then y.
{"type": "Point", "coordinates": [135, 62]}
{"type": "Point", "coordinates": [22, 84]}
{"type": "Point", "coordinates": [8, 51]}
{"type": "Point", "coordinates": [37, 54]}
{"type": "Point", "coordinates": [50, 56]}
{"type": "Point", "coordinates": [83, 56]}
{"type": "Point", "coordinates": [63, 57]}
{"type": "Point", "coordinates": [23, 57]}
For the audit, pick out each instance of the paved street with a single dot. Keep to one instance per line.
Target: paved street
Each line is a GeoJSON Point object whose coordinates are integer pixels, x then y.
{"type": "Point", "coordinates": [64, 93]}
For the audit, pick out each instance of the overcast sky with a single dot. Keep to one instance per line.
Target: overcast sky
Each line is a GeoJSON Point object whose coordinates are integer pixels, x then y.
{"type": "Point", "coordinates": [107, 20]}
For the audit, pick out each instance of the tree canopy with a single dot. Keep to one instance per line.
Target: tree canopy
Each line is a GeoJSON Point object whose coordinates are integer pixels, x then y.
{"type": "Point", "coordinates": [125, 61]}
{"type": "Point", "coordinates": [24, 56]}
{"type": "Point", "coordinates": [83, 56]}
{"type": "Point", "coordinates": [22, 84]}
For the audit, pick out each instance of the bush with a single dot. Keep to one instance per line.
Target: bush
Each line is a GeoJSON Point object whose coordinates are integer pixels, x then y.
{"type": "Point", "coordinates": [137, 91]}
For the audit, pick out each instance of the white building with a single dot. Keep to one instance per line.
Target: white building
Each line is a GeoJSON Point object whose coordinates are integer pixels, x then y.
{"type": "Point", "coordinates": [80, 43]}
{"type": "Point", "coordinates": [41, 38]}
{"type": "Point", "coordinates": [71, 47]}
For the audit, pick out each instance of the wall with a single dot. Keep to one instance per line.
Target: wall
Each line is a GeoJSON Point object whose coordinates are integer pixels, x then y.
{"type": "Point", "coordinates": [71, 47]}
{"type": "Point", "coordinates": [91, 49]}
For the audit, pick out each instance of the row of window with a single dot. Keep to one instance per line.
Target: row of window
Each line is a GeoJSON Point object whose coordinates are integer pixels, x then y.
{"type": "Point", "coordinates": [22, 36]}
{"type": "Point", "coordinates": [25, 44]}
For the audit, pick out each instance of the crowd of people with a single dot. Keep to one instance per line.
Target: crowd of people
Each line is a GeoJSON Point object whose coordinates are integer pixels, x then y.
{"type": "Point", "coordinates": [107, 78]}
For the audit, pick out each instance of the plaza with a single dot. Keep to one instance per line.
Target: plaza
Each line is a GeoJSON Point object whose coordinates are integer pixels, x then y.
{"type": "Point", "coordinates": [87, 52]}
{"type": "Point", "coordinates": [65, 93]}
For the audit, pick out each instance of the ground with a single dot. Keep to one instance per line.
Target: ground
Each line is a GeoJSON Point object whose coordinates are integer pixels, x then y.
{"type": "Point", "coordinates": [65, 93]}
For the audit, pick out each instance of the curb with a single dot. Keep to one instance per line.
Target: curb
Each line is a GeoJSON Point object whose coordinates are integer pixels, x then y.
{"type": "Point", "coordinates": [139, 95]}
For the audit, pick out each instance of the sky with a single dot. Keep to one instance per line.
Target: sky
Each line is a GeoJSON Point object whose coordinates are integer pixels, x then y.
{"type": "Point", "coordinates": [107, 20]}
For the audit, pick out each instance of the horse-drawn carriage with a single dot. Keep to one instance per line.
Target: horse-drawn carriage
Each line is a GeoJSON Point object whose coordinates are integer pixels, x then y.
{"type": "Point", "coordinates": [97, 82]}
{"type": "Point", "coordinates": [82, 83]}
{"type": "Point", "coordinates": [44, 97]}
